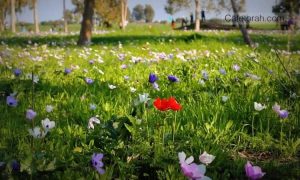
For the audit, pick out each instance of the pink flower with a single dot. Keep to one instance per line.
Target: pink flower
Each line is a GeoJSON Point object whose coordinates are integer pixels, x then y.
{"type": "Point", "coordinates": [191, 170]}
{"type": "Point", "coordinates": [253, 172]}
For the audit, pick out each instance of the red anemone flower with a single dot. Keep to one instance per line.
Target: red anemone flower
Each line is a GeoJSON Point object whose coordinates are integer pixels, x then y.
{"type": "Point", "coordinates": [166, 104]}
{"type": "Point", "coordinates": [174, 105]}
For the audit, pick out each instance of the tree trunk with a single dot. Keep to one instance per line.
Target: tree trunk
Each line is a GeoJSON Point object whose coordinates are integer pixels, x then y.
{"type": "Point", "coordinates": [124, 7]}
{"type": "Point", "coordinates": [87, 23]}
{"type": "Point", "coordinates": [243, 29]}
{"type": "Point", "coordinates": [197, 15]}
{"type": "Point", "coordinates": [13, 15]}
{"type": "Point", "coordinates": [65, 17]}
{"type": "Point", "coordinates": [35, 17]}
{"type": "Point", "coordinates": [2, 19]}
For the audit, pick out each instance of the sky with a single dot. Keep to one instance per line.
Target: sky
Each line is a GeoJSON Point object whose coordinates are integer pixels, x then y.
{"type": "Point", "coordinates": [53, 9]}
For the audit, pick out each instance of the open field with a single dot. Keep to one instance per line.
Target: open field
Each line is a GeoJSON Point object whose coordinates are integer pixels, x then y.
{"type": "Point", "coordinates": [219, 81]}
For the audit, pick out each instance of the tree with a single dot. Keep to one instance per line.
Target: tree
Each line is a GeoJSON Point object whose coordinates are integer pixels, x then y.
{"type": "Point", "coordinates": [124, 11]}
{"type": "Point", "coordinates": [107, 10]}
{"type": "Point", "coordinates": [243, 29]}
{"type": "Point", "coordinates": [4, 4]}
{"type": "Point", "coordinates": [149, 13]}
{"type": "Point", "coordinates": [87, 23]}
{"type": "Point", "coordinates": [138, 12]}
{"type": "Point", "coordinates": [65, 17]}
{"type": "Point", "coordinates": [13, 15]}
{"type": "Point", "coordinates": [35, 16]}
{"type": "Point", "coordinates": [6, 8]}
{"type": "Point", "coordinates": [286, 6]}
{"type": "Point", "coordinates": [197, 16]}
{"type": "Point", "coordinates": [175, 5]}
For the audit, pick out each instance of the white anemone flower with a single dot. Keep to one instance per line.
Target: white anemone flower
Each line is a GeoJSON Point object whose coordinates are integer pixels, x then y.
{"type": "Point", "coordinates": [36, 132]}
{"type": "Point", "coordinates": [49, 108]}
{"type": "Point", "coordinates": [112, 86]}
{"type": "Point", "coordinates": [93, 120]}
{"type": "Point", "coordinates": [47, 124]}
{"type": "Point", "coordinates": [206, 158]}
{"type": "Point", "coordinates": [259, 106]}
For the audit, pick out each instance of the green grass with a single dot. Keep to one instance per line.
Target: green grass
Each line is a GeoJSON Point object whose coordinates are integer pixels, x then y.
{"type": "Point", "coordinates": [146, 142]}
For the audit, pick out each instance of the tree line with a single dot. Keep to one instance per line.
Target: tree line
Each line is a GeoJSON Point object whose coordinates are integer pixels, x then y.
{"type": "Point", "coordinates": [118, 11]}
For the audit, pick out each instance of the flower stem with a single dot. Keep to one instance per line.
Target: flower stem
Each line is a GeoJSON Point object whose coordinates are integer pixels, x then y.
{"type": "Point", "coordinates": [174, 128]}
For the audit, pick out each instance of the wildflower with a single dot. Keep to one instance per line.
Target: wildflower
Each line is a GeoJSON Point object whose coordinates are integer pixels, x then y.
{"type": "Point", "coordinates": [174, 105]}
{"type": "Point", "coordinates": [17, 72]}
{"type": "Point", "coordinates": [201, 82]}
{"type": "Point", "coordinates": [2, 165]}
{"type": "Point", "coordinates": [15, 166]}
{"type": "Point", "coordinates": [206, 158]}
{"type": "Point", "coordinates": [91, 62]}
{"type": "Point", "coordinates": [225, 98]}
{"type": "Point", "coordinates": [152, 78]}
{"type": "Point", "coordinates": [173, 78]}
{"type": "Point", "coordinates": [155, 86]}
{"type": "Point", "coordinates": [204, 75]}
{"type": "Point", "coordinates": [67, 71]}
{"type": "Point", "coordinates": [121, 57]}
{"type": "Point", "coordinates": [11, 101]}
{"type": "Point", "coordinates": [259, 106]}
{"type": "Point", "coordinates": [236, 67]}
{"type": "Point", "coordinates": [97, 162]}
{"type": "Point", "coordinates": [89, 80]}
{"type": "Point", "coordinates": [34, 77]}
{"type": "Point", "coordinates": [126, 78]}
{"type": "Point", "coordinates": [144, 98]}
{"type": "Point", "coordinates": [276, 108]}
{"type": "Point", "coordinates": [112, 86]}
{"type": "Point", "coordinates": [252, 76]}
{"type": "Point", "coordinates": [30, 114]}
{"type": "Point", "coordinates": [281, 113]}
{"type": "Point", "coordinates": [253, 172]}
{"type": "Point", "coordinates": [161, 104]}
{"type": "Point", "coordinates": [166, 104]}
{"type": "Point", "coordinates": [132, 89]}
{"type": "Point", "coordinates": [123, 66]}
{"type": "Point", "coordinates": [49, 108]}
{"type": "Point", "coordinates": [191, 170]}
{"type": "Point", "coordinates": [222, 71]}
{"type": "Point", "coordinates": [36, 132]}
{"type": "Point", "coordinates": [93, 120]}
{"type": "Point", "coordinates": [93, 107]}
{"type": "Point", "coordinates": [47, 124]}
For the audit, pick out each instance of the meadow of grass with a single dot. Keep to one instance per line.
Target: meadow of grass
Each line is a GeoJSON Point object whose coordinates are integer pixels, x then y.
{"type": "Point", "coordinates": [137, 140]}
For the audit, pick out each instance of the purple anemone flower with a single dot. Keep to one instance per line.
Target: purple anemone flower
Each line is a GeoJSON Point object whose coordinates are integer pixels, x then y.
{"type": "Point", "coordinates": [173, 78]}
{"type": "Point", "coordinates": [97, 162]}
{"type": "Point", "coordinates": [204, 75]}
{"type": "Point", "coordinates": [253, 172]}
{"type": "Point", "coordinates": [30, 114]}
{"type": "Point", "coordinates": [15, 165]}
{"type": "Point", "coordinates": [67, 71]}
{"type": "Point", "coordinates": [2, 166]}
{"type": "Point", "coordinates": [152, 78]}
{"type": "Point", "coordinates": [222, 71]}
{"type": "Point", "coordinates": [11, 101]}
{"type": "Point", "coordinates": [155, 86]}
{"type": "Point", "coordinates": [123, 66]}
{"type": "Point", "coordinates": [236, 67]}
{"type": "Point", "coordinates": [283, 114]}
{"type": "Point", "coordinates": [91, 61]}
{"type": "Point", "coordinates": [89, 80]}
{"type": "Point", "coordinates": [17, 72]}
